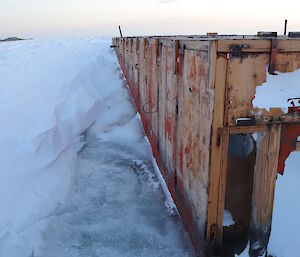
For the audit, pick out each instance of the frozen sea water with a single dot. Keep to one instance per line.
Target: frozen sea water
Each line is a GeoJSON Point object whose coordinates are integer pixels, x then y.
{"type": "Point", "coordinates": [117, 205]}
{"type": "Point", "coordinates": [116, 208]}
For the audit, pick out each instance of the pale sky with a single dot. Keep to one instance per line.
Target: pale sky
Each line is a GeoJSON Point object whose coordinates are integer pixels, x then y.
{"type": "Point", "coordinates": [48, 18]}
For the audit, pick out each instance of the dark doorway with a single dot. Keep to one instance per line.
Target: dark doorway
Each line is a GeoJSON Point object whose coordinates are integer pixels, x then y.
{"type": "Point", "coordinates": [238, 197]}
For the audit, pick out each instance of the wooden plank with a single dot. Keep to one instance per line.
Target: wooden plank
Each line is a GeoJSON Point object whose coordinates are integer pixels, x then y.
{"type": "Point", "coordinates": [287, 62]}
{"type": "Point", "coordinates": [188, 44]}
{"type": "Point", "coordinates": [244, 76]}
{"type": "Point", "coordinates": [291, 45]}
{"type": "Point", "coordinates": [213, 46]}
{"type": "Point", "coordinates": [145, 47]}
{"type": "Point", "coordinates": [247, 129]}
{"type": "Point", "coordinates": [176, 56]}
{"type": "Point", "coordinates": [195, 45]}
{"type": "Point", "coordinates": [131, 45]}
{"type": "Point", "coordinates": [259, 45]}
{"type": "Point", "coordinates": [215, 164]}
{"type": "Point", "coordinates": [137, 46]}
{"type": "Point", "coordinates": [263, 189]}
{"type": "Point", "coordinates": [256, 44]}
{"type": "Point", "coordinates": [195, 102]}
{"type": "Point", "coordinates": [253, 45]}
{"type": "Point", "coordinates": [157, 51]}
{"type": "Point", "coordinates": [222, 183]}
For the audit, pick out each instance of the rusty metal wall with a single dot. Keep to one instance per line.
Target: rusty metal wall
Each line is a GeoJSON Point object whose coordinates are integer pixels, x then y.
{"type": "Point", "coordinates": [170, 87]}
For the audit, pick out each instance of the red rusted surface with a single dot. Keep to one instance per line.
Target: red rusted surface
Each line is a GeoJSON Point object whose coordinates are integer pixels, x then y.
{"type": "Point", "coordinates": [294, 109]}
{"type": "Point", "coordinates": [186, 210]}
{"type": "Point", "coordinates": [289, 134]}
{"type": "Point", "coordinates": [168, 126]}
{"type": "Point", "coordinates": [150, 82]}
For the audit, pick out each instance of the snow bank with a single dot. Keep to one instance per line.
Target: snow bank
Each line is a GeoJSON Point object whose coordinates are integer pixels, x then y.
{"type": "Point", "coordinates": [116, 207]}
{"type": "Point", "coordinates": [285, 240]}
{"type": "Point", "coordinates": [50, 92]}
{"type": "Point", "coordinates": [277, 90]}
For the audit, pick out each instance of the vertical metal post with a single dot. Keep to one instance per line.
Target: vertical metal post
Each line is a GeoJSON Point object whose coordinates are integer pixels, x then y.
{"type": "Point", "coordinates": [120, 32]}
{"type": "Point", "coordinates": [285, 27]}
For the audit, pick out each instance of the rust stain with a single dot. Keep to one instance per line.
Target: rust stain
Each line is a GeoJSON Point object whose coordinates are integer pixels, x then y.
{"type": "Point", "coordinates": [150, 81]}
{"type": "Point", "coordinates": [289, 135]}
{"type": "Point", "coordinates": [188, 218]}
{"type": "Point", "coordinates": [187, 151]}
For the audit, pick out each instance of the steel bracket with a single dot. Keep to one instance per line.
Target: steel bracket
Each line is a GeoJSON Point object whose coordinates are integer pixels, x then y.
{"type": "Point", "coordinates": [295, 105]}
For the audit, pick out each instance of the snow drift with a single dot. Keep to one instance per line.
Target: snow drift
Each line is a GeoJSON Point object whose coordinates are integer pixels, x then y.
{"type": "Point", "coordinates": [49, 95]}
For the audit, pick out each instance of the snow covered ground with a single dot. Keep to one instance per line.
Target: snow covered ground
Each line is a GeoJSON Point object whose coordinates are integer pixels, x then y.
{"type": "Point", "coordinates": [103, 201]}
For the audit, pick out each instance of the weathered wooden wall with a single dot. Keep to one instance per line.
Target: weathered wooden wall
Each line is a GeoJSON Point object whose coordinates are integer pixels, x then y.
{"type": "Point", "coordinates": [190, 92]}
{"type": "Point", "coordinates": [170, 86]}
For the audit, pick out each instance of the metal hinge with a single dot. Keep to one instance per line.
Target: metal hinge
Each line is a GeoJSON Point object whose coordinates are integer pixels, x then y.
{"type": "Point", "coordinates": [267, 34]}
{"type": "Point", "coordinates": [236, 50]}
{"type": "Point", "coordinates": [247, 121]}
